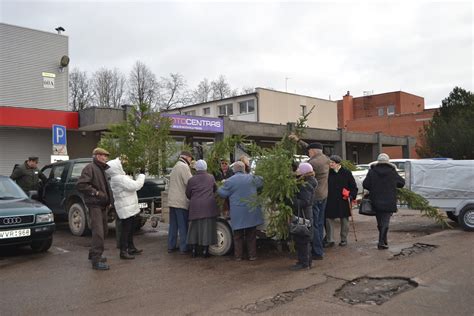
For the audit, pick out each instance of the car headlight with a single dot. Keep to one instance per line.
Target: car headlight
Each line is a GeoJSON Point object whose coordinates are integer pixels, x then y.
{"type": "Point", "coordinates": [45, 218]}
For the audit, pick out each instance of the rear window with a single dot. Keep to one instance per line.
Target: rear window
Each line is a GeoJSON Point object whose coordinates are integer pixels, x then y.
{"type": "Point", "coordinates": [77, 169]}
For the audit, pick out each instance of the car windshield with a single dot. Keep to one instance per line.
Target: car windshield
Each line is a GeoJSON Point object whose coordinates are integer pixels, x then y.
{"type": "Point", "coordinates": [10, 190]}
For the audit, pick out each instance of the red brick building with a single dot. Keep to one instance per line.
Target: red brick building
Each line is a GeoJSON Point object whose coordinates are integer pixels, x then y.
{"type": "Point", "coordinates": [393, 113]}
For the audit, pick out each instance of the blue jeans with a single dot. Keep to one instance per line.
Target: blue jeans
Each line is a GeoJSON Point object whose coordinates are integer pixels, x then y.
{"type": "Point", "coordinates": [178, 223]}
{"type": "Point", "coordinates": [319, 207]}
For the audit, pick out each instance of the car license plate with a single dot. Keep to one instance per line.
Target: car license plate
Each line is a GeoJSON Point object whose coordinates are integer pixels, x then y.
{"type": "Point", "coordinates": [15, 233]}
{"type": "Point", "coordinates": [142, 205]}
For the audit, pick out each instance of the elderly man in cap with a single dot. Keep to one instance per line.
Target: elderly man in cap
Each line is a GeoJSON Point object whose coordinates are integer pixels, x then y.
{"type": "Point", "coordinates": [93, 184]}
{"type": "Point", "coordinates": [179, 203]}
{"type": "Point", "coordinates": [241, 189]}
{"type": "Point", "coordinates": [320, 163]}
{"type": "Point", "coordinates": [27, 175]}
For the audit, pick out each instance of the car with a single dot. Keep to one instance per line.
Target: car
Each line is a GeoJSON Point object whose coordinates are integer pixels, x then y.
{"type": "Point", "coordinates": [24, 221]}
{"type": "Point", "coordinates": [60, 194]}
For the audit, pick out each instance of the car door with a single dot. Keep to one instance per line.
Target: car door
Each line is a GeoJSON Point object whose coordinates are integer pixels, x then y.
{"type": "Point", "coordinates": [53, 190]}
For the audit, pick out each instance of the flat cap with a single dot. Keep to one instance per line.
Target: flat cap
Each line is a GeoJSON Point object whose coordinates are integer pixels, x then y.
{"type": "Point", "coordinates": [186, 153]}
{"type": "Point", "coordinates": [315, 146]}
{"type": "Point", "coordinates": [100, 151]}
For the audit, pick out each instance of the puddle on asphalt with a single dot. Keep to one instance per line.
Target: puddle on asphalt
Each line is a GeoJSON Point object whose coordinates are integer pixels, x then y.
{"type": "Point", "coordinates": [413, 250]}
{"type": "Point", "coordinates": [373, 291]}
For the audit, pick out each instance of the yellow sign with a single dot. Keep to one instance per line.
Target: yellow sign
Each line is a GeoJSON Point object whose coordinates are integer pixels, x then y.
{"type": "Point", "coordinates": [48, 74]}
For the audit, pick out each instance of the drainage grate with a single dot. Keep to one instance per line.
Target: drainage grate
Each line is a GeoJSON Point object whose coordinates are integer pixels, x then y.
{"type": "Point", "coordinates": [373, 291]}
{"type": "Point", "coordinates": [413, 250]}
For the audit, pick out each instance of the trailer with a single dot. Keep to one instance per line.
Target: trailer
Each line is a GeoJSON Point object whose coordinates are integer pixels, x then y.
{"type": "Point", "coordinates": [447, 185]}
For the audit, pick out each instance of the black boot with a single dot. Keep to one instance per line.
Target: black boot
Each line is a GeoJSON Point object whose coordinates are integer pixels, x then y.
{"type": "Point", "coordinates": [193, 251]}
{"type": "Point", "coordinates": [205, 252]}
{"type": "Point", "coordinates": [125, 255]}
{"type": "Point", "coordinates": [131, 246]}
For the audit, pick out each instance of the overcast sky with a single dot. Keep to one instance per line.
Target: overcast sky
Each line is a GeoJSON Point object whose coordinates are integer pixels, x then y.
{"type": "Point", "coordinates": [420, 47]}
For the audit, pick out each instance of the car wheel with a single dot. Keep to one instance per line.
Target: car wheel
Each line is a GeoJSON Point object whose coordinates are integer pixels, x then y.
{"type": "Point", "coordinates": [452, 217]}
{"type": "Point", "coordinates": [42, 245]}
{"type": "Point", "coordinates": [224, 240]}
{"type": "Point", "coordinates": [78, 220]}
{"type": "Point", "coordinates": [466, 218]}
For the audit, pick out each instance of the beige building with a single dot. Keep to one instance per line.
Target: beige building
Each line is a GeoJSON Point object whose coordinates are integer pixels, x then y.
{"type": "Point", "coordinates": [268, 106]}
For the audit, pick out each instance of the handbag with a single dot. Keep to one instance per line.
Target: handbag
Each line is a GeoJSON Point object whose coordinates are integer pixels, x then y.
{"type": "Point", "coordinates": [365, 207]}
{"type": "Point", "coordinates": [300, 226]}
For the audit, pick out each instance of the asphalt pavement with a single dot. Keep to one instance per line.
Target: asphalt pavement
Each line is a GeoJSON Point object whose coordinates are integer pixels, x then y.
{"type": "Point", "coordinates": [61, 282]}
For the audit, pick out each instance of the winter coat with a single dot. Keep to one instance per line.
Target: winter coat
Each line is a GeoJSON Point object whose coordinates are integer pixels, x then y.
{"type": "Point", "coordinates": [241, 189]}
{"type": "Point", "coordinates": [320, 165]}
{"type": "Point", "coordinates": [336, 206]}
{"type": "Point", "coordinates": [304, 198]}
{"type": "Point", "coordinates": [382, 181]}
{"type": "Point", "coordinates": [27, 178]}
{"type": "Point", "coordinates": [93, 184]}
{"type": "Point", "coordinates": [124, 190]}
{"type": "Point", "coordinates": [179, 177]}
{"type": "Point", "coordinates": [200, 192]}
{"type": "Point", "coordinates": [220, 175]}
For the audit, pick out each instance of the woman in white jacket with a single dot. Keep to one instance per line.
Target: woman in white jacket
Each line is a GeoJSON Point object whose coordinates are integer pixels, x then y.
{"type": "Point", "coordinates": [124, 190]}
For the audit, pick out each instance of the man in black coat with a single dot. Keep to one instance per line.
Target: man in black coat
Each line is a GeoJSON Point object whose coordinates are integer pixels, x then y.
{"type": "Point", "coordinates": [94, 185]}
{"type": "Point", "coordinates": [27, 175]}
{"type": "Point", "coordinates": [342, 190]}
{"type": "Point", "coordinates": [382, 182]}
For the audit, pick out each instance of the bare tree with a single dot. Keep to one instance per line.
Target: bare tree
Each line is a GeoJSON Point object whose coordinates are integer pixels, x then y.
{"type": "Point", "coordinates": [143, 87]}
{"type": "Point", "coordinates": [202, 92]}
{"type": "Point", "coordinates": [80, 91]}
{"type": "Point", "coordinates": [220, 88]}
{"type": "Point", "coordinates": [173, 92]}
{"type": "Point", "coordinates": [248, 90]}
{"type": "Point", "coordinates": [108, 88]}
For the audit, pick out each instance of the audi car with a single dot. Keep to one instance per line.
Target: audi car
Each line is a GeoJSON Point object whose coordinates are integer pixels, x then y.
{"type": "Point", "coordinates": [23, 221]}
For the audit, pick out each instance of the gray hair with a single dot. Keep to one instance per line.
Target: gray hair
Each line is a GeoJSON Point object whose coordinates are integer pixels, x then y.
{"type": "Point", "coordinates": [238, 166]}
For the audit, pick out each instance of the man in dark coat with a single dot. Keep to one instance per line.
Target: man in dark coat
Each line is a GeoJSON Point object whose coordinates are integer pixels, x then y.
{"type": "Point", "coordinates": [382, 181]}
{"type": "Point", "coordinates": [225, 172]}
{"type": "Point", "coordinates": [93, 184]}
{"type": "Point", "coordinates": [342, 189]}
{"type": "Point", "coordinates": [28, 176]}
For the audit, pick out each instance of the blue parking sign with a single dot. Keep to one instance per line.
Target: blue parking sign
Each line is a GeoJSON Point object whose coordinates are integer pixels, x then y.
{"type": "Point", "coordinates": [59, 135]}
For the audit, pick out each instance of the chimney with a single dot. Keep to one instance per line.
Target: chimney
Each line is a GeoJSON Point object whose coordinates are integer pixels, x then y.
{"type": "Point", "coordinates": [347, 109]}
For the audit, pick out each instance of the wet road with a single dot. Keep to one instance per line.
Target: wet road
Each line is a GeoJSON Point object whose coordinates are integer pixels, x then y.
{"type": "Point", "coordinates": [157, 283]}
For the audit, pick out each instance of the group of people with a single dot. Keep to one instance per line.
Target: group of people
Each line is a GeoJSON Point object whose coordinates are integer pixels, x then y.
{"type": "Point", "coordinates": [326, 193]}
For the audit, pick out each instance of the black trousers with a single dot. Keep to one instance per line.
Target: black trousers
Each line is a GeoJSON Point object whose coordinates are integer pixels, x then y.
{"type": "Point", "coordinates": [303, 250]}
{"type": "Point", "coordinates": [383, 222]}
{"type": "Point", "coordinates": [126, 236]}
{"type": "Point", "coordinates": [98, 216]}
{"type": "Point", "coordinates": [250, 235]}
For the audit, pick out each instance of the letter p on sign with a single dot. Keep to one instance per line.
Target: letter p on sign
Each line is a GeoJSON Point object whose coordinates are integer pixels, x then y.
{"type": "Point", "coordinates": [59, 135]}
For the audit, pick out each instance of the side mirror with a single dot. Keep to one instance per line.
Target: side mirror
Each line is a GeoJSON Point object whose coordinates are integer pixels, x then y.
{"type": "Point", "coordinates": [33, 195]}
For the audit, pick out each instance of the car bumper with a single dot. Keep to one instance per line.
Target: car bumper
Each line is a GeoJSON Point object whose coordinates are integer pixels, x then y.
{"type": "Point", "coordinates": [38, 232]}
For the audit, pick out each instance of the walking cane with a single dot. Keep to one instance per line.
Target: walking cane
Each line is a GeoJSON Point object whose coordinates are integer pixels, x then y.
{"type": "Point", "coordinates": [352, 218]}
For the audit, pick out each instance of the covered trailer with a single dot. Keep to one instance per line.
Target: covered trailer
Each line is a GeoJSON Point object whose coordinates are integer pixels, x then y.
{"type": "Point", "coordinates": [447, 185]}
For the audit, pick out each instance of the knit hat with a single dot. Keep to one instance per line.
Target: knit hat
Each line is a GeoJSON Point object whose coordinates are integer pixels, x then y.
{"type": "Point", "coordinates": [304, 168]}
{"type": "Point", "coordinates": [383, 158]}
{"type": "Point", "coordinates": [336, 158]}
{"type": "Point", "coordinates": [201, 165]}
{"type": "Point", "coordinates": [315, 146]}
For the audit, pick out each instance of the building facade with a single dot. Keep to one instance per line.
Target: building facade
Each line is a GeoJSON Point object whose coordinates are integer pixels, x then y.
{"type": "Point", "coordinates": [34, 97]}
{"type": "Point", "coordinates": [394, 113]}
{"type": "Point", "coordinates": [268, 106]}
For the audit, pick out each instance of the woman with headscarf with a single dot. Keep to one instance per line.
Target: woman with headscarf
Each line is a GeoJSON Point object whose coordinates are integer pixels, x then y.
{"type": "Point", "coordinates": [124, 190]}
{"type": "Point", "coordinates": [203, 210]}
{"type": "Point", "coordinates": [382, 181]}
{"type": "Point", "coordinates": [342, 190]}
{"type": "Point", "coordinates": [302, 205]}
